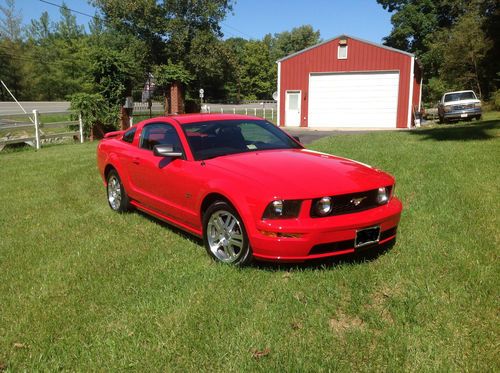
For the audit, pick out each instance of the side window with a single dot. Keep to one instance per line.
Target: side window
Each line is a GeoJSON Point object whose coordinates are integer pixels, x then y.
{"type": "Point", "coordinates": [160, 134]}
{"type": "Point", "coordinates": [129, 135]}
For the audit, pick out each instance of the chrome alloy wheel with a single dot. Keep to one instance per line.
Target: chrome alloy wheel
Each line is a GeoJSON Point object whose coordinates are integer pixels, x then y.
{"type": "Point", "coordinates": [114, 192]}
{"type": "Point", "coordinates": [225, 236]}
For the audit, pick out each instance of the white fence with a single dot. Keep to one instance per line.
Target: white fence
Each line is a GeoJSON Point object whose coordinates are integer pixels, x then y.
{"type": "Point", "coordinates": [144, 106]}
{"type": "Point", "coordinates": [36, 123]}
{"type": "Point", "coordinates": [266, 113]}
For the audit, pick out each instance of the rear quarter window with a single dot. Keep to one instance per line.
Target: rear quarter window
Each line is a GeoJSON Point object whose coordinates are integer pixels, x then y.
{"type": "Point", "coordinates": [129, 135]}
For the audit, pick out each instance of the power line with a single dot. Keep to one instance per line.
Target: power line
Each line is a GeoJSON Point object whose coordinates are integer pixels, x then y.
{"type": "Point", "coordinates": [235, 29]}
{"type": "Point", "coordinates": [71, 10]}
{"type": "Point", "coordinates": [99, 18]}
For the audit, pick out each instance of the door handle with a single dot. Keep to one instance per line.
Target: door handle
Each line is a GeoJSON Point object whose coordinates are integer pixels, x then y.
{"type": "Point", "coordinates": [136, 161]}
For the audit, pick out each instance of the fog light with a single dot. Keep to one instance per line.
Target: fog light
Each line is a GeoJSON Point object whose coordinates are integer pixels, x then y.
{"type": "Point", "coordinates": [382, 196]}
{"type": "Point", "coordinates": [324, 206]}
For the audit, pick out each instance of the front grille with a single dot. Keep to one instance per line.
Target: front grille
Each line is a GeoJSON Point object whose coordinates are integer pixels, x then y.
{"type": "Point", "coordinates": [462, 107]}
{"type": "Point", "coordinates": [350, 203]}
{"type": "Point", "coordinates": [333, 247]}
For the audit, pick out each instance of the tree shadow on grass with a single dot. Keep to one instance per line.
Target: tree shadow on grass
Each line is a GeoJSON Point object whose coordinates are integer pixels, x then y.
{"type": "Point", "coordinates": [463, 132]}
{"type": "Point", "coordinates": [171, 227]}
{"type": "Point", "coordinates": [368, 254]}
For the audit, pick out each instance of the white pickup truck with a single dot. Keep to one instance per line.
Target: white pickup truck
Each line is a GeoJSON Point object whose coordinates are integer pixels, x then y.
{"type": "Point", "coordinates": [459, 105]}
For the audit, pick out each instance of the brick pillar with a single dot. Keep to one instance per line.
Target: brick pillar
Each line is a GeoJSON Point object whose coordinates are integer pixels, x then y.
{"type": "Point", "coordinates": [176, 99]}
{"type": "Point", "coordinates": [125, 119]}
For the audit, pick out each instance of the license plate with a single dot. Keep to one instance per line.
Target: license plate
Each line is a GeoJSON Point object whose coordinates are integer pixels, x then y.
{"type": "Point", "coordinates": [367, 236]}
{"type": "Point", "coordinates": [463, 115]}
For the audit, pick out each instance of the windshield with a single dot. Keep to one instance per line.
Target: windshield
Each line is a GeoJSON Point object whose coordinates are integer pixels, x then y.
{"type": "Point", "coordinates": [459, 96]}
{"type": "Point", "coordinates": [218, 138]}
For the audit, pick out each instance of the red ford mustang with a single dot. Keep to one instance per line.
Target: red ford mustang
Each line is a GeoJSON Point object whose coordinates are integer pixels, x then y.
{"type": "Point", "coordinates": [247, 188]}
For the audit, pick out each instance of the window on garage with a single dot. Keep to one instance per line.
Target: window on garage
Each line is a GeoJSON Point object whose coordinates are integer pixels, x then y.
{"type": "Point", "coordinates": [342, 52]}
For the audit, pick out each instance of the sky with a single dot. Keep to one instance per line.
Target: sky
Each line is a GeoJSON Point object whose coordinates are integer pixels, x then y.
{"type": "Point", "coordinates": [364, 19]}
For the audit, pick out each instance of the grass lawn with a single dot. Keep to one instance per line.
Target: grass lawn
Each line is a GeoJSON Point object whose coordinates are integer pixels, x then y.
{"type": "Point", "coordinates": [83, 288]}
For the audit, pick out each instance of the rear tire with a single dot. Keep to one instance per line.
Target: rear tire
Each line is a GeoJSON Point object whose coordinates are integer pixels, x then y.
{"type": "Point", "coordinates": [225, 236]}
{"type": "Point", "coordinates": [117, 195]}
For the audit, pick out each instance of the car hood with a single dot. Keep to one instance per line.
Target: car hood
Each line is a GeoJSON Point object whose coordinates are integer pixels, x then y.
{"type": "Point", "coordinates": [300, 173]}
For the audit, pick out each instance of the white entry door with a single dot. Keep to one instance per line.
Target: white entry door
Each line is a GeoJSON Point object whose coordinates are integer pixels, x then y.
{"type": "Point", "coordinates": [292, 109]}
{"type": "Point", "coordinates": [353, 99]}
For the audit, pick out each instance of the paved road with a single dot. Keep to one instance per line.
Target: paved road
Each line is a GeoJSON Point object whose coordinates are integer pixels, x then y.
{"type": "Point", "coordinates": [7, 108]}
{"type": "Point", "coordinates": [10, 108]}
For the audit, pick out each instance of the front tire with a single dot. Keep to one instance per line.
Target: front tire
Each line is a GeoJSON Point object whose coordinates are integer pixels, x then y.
{"type": "Point", "coordinates": [117, 196]}
{"type": "Point", "coordinates": [225, 236]}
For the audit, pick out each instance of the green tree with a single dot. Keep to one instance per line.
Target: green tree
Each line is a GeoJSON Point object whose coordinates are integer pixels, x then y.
{"type": "Point", "coordinates": [55, 64]}
{"type": "Point", "coordinates": [207, 61]}
{"type": "Point", "coordinates": [10, 69]}
{"type": "Point", "coordinates": [435, 30]}
{"type": "Point", "coordinates": [288, 42]}
{"type": "Point", "coordinates": [234, 53]}
{"type": "Point", "coordinates": [113, 75]}
{"type": "Point", "coordinates": [40, 29]}
{"type": "Point", "coordinates": [10, 21]}
{"type": "Point", "coordinates": [11, 50]}
{"type": "Point", "coordinates": [464, 48]}
{"type": "Point", "coordinates": [164, 24]}
{"type": "Point", "coordinates": [258, 79]}
{"type": "Point", "coordinates": [183, 31]}
{"type": "Point", "coordinates": [93, 108]}
{"type": "Point", "coordinates": [168, 74]}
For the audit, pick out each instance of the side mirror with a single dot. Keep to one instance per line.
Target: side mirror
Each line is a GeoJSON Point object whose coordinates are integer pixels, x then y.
{"type": "Point", "coordinates": [296, 138]}
{"type": "Point", "coordinates": [166, 151]}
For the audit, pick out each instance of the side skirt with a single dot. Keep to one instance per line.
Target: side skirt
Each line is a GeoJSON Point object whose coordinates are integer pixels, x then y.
{"type": "Point", "coordinates": [168, 220]}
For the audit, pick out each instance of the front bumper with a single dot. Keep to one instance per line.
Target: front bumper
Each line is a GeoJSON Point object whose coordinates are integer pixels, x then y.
{"type": "Point", "coordinates": [465, 113]}
{"type": "Point", "coordinates": [320, 237]}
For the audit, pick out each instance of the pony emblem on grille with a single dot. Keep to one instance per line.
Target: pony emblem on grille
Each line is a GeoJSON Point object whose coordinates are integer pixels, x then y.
{"type": "Point", "coordinates": [357, 201]}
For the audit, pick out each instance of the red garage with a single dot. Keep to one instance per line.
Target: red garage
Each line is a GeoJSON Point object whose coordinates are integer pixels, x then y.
{"type": "Point", "coordinates": [351, 83]}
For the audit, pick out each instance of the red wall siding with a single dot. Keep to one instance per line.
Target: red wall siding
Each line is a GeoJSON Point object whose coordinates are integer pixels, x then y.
{"type": "Point", "coordinates": [360, 57]}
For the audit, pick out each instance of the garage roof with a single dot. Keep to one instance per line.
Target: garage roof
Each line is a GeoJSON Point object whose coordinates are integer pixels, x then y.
{"type": "Point", "coordinates": [348, 37]}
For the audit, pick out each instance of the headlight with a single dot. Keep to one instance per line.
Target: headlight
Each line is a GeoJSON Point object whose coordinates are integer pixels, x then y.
{"type": "Point", "coordinates": [477, 104]}
{"type": "Point", "coordinates": [447, 109]}
{"type": "Point", "coordinates": [383, 195]}
{"type": "Point", "coordinates": [323, 206]}
{"type": "Point", "coordinates": [282, 209]}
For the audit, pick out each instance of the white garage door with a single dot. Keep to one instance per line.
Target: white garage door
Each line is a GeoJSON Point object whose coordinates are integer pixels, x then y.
{"type": "Point", "coordinates": [353, 99]}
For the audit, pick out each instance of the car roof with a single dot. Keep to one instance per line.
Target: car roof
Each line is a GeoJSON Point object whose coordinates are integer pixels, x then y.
{"type": "Point", "coordinates": [467, 90]}
{"type": "Point", "coordinates": [194, 118]}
